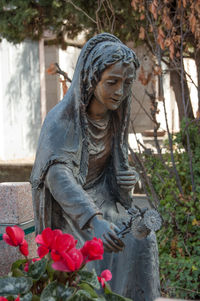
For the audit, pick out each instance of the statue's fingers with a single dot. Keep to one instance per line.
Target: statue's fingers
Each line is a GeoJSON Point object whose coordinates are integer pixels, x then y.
{"type": "Point", "coordinates": [107, 247]}
{"type": "Point", "coordinates": [110, 246]}
{"type": "Point", "coordinates": [116, 239]}
{"type": "Point", "coordinates": [129, 172]}
{"type": "Point", "coordinates": [126, 178]}
{"type": "Point", "coordinates": [127, 183]}
{"type": "Point", "coordinates": [126, 187]}
{"type": "Point", "coordinates": [115, 247]}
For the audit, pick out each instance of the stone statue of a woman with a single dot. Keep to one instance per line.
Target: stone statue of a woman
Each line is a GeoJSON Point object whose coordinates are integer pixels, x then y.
{"type": "Point", "coordinates": [81, 178]}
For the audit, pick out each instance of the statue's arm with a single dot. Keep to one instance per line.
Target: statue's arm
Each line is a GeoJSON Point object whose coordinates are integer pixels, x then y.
{"type": "Point", "coordinates": [75, 201]}
{"type": "Point", "coordinates": [70, 195]}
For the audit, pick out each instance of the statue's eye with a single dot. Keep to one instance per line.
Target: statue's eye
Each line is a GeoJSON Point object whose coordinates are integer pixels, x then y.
{"type": "Point", "coordinates": [128, 81]}
{"type": "Point", "coordinates": [111, 82]}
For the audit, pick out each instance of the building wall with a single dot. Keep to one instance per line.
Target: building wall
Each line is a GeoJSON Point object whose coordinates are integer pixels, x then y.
{"type": "Point", "coordinates": [20, 118]}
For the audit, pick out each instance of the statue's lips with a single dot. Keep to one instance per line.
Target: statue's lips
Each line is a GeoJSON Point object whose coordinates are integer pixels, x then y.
{"type": "Point", "coordinates": [116, 100]}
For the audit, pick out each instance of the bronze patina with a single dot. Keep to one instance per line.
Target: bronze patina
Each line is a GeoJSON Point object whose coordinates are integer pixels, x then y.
{"type": "Point", "coordinates": [82, 182]}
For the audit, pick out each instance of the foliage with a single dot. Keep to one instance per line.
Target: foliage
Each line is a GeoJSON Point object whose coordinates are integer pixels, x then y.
{"type": "Point", "coordinates": [178, 239]}
{"type": "Point", "coordinates": [59, 273]}
{"type": "Point", "coordinates": [33, 18]}
{"type": "Point", "coordinates": [167, 16]}
{"type": "Point", "coordinates": [170, 29]}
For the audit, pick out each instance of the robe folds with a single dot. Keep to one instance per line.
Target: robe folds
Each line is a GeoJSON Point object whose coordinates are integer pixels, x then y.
{"type": "Point", "coordinates": [68, 189]}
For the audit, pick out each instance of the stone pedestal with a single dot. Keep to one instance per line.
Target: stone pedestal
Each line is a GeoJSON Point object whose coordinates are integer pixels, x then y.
{"type": "Point", "coordinates": [166, 299]}
{"type": "Point", "coordinates": [15, 209]}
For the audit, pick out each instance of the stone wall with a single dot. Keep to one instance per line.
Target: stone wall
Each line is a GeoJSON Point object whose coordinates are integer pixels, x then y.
{"type": "Point", "coordinates": [20, 118]}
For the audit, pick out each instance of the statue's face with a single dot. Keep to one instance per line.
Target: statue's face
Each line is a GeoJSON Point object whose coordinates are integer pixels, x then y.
{"type": "Point", "coordinates": [115, 85]}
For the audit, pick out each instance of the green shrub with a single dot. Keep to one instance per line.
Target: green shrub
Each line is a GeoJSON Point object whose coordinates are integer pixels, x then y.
{"type": "Point", "coordinates": [179, 237]}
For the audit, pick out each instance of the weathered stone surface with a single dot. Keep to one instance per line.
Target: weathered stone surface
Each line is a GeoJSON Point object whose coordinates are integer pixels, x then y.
{"type": "Point", "coordinates": [15, 202]}
{"type": "Point", "coordinates": [166, 299]}
{"type": "Point", "coordinates": [15, 209]}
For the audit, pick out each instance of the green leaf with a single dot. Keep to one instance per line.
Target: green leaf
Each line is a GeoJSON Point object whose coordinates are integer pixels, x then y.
{"type": "Point", "coordinates": [86, 287]}
{"type": "Point", "coordinates": [17, 264]}
{"type": "Point", "coordinates": [35, 298]}
{"type": "Point", "coordinates": [89, 278]}
{"type": "Point", "coordinates": [107, 288]}
{"type": "Point", "coordinates": [27, 297]}
{"type": "Point", "coordinates": [110, 296]}
{"type": "Point", "coordinates": [17, 273]}
{"type": "Point", "coordinates": [52, 292]}
{"type": "Point", "coordinates": [67, 293]}
{"type": "Point", "coordinates": [15, 286]}
{"type": "Point", "coordinates": [81, 295]}
{"type": "Point", "coordinates": [37, 269]}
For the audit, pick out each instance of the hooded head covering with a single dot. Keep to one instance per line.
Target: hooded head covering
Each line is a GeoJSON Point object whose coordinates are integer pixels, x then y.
{"type": "Point", "coordinates": [64, 135]}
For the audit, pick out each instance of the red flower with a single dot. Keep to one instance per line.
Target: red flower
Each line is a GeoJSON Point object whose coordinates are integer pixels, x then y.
{"type": "Point", "coordinates": [92, 250]}
{"type": "Point", "coordinates": [46, 240]}
{"type": "Point", "coordinates": [106, 275]}
{"type": "Point", "coordinates": [69, 261]}
{"type": "Point", "coordinates": [14, 236]}
{"type": "Point", "coordinates": [4, 299]}
{"type": "Point", "coordinates": [62, 243]}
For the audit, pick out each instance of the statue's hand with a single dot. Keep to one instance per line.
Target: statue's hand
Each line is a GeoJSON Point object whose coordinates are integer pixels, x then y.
{"type": "Point", "coordinates": [108, 233]}
{"type": "Point", "coordinates": [127, 179]}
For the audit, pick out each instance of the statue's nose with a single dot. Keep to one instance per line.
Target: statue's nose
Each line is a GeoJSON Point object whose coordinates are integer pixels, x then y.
{"type": "Point", "coordinates": [119, 92]}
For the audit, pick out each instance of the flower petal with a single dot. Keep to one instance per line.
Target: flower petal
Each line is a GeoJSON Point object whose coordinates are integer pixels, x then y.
{"type": "Point", "coordinates": [55, 255]}
{"type": "Point", "coordinates": [69, 262]}
{"type": "Point", "coordinates": [7, 239]}
{"type": "Point", "coordinates": [42, 251]}
{"type": "Point", "coordinates": [47, 235]}
{"type": "Point", "coordinates": [24, 248]}
{"type": "Point", "coordinates": [60, 266]}
{"type": "Point", "coordinates": [64, 242]}
{"type": "Point", "coordinates": [77, 257]}
{"type": "Point", "coordinates": [39, 240]}
{"type": "Point", "coordinates": [92, 250]}
{"type": "Point", "coordinates": [107, 275]}
{"type": "Point", "coordinates": [3, 299]}
{"type": "Point", "coordinates": [16, 234]}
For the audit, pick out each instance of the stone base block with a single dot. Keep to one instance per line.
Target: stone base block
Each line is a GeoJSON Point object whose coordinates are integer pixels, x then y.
{"type": "Point", "coordinates": [15, 209]}
{"type": "Point", "coordinates": [166, 299]}
{"type": "Point", "coordinates": [15, 202]}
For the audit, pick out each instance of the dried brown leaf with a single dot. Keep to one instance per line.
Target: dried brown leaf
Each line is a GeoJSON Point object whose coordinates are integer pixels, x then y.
{"type": "Point", "coordinates": [192, 21]}
{"type": "Point", "coordinates": [142, 33]}
{"type": "Point", "coordinates": [52, 69]}
{"type": "Point", "coordinates": [142, 17]}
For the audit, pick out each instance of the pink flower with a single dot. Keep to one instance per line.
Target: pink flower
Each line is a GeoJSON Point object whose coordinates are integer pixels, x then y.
{"type": "Point", "coordinates": [69, 261]}
{"type": "Point", "coordinates": [26, 267]}
{"type": "Point", "coordinates": [14, 236]}
{"type": "Point", "coordinates": [46, 239]}
{"type": "Point", "coordinates": [92, 250]}
{"type": "Point", "coordinates": [106, 275]}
